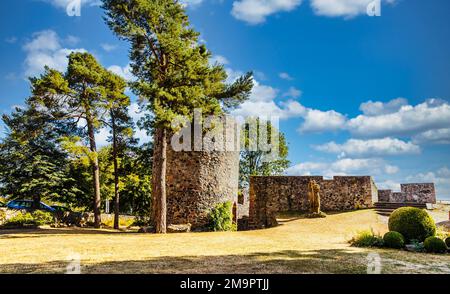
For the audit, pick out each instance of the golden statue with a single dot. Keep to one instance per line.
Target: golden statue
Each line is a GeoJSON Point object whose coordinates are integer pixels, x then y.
{"type": "Point", "coordinates": [314, 197]}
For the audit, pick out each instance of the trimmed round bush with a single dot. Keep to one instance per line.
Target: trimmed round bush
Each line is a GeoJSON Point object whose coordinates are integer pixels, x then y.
{"type": "Point", "coordinates": [434, 245]}
{"type": "Point", "coordinates": [413, 223]}
{"type": "Point", "coordinates": [394, 240]}
{"type": "Point", "coordinates": [447, 242]}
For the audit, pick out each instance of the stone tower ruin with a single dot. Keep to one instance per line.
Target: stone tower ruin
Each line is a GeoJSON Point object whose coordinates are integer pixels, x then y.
{"type": "Point", "coordinates": [199, 180]}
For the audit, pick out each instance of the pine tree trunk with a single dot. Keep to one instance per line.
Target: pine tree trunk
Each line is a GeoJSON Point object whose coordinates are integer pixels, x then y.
{"type": "Point", "coordinates": [96, 176]}
{"type": "Point", "coordinates": [116, 177]}
{"type": "Point", "coordinates": [159, 181]}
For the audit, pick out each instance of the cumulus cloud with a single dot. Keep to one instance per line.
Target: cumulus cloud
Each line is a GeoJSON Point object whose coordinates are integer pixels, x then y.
{"type": "Point", "coordinates": [219, 59]}
{"type": "Point", "coordinates": [293, 93]}
{"type": "Point", "coordinates": [439, 136]}
{"type": "Point", "coordinates": [342, 8]}
{"type": "Point", "coordinates": [408, 120]}
{"type": "Point", "coordinates": [256, 11]}
{"type": "Point", "coordinates": [321, 121]}
{"type": "Point", "coordinates": [425, 122]}
{"type": "Point", "coordinates": [342, 167]}
{"type": "Point", "coordinates": [371, 108]}
{"type": "Point", "coordinates": [45, 49]}
{"type": "Point", "coordinates": [374, 147]}
{"type": "Point", "coordinates": [124, 72]}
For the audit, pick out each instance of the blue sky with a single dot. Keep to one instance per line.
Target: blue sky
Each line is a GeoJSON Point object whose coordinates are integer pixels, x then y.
{"type": "Point", "coordinates": [357, 95]}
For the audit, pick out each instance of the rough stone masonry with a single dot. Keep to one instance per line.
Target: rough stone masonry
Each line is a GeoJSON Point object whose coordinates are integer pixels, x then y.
{"type": "Point", "coordinates": [415, 192]}
{"type": "Point", "coordinates": [271, 195]}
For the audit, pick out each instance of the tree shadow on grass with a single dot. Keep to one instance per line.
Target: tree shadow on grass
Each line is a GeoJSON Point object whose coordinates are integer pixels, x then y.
{"type": "Point", "coordinates": [280, 262]}
{"type": "Point", "coordinates": [44, 232]}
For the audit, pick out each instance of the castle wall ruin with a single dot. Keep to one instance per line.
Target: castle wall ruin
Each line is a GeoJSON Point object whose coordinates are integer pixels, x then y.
{"type": "Point", "coordinates": [271, 195]}
{"type": "Point", "coordinates": [415, 193]}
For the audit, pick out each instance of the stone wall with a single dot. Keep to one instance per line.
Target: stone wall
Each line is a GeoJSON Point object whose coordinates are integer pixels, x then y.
{"type": "Point", "coordinates": [384, 195]}
{"type": "Point", "coordinates": [199, 180]}
{"type": "Point", "coordinates": [421, 193]}
{"type": "Point", "coordinates": [417, 193]}
{"type": "Point", "coordinates": [270, 195]}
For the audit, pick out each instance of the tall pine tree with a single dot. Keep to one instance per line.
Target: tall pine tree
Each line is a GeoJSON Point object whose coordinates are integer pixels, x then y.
{"type": "Point", "coordinates": [173, 74]}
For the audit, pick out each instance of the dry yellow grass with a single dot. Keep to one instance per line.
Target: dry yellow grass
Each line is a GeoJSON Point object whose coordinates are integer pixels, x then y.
{"type": "Point", "coordinates": [296, 246]}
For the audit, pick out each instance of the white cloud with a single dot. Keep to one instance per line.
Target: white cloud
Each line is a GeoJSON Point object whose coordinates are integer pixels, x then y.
{"type": "Point", "coordinates": [321, 121]}
{"type": "Point", "coordinates": [432, 114]}
{"type": "Point", "coordinates": [388, 185]}
{"type": "Point", "coordinates": [342, 8]}
{"type": "Point", "coordinates": [219, 59]}
{"type": "Point", "coordinates": [438, 136]}
{"type": "Point", "coordinates": [293, 93]}
{"type": "Point", "coordinates": [347, 166]}
{"type": "Point", "coordinates": [192, 2]}
{"type": "Point", "coordinates": [256, 11]}
{"type": "Point", "coordinates": [375, 147]}
{"type": "Point", "coordinates": [426, 121]}
{"type": "Point", "coordinates": [371, 108]}
{"type": "Point", "coordinates": [108, 47]}
{"type": "Point", "coordinates": [45, 50]}
{"type": "Point", "coordinates": [124, 72]}
{"type": "Point", "coordinates": [262, 104]}
{"type": "Point", "coordinates": [285, 76]}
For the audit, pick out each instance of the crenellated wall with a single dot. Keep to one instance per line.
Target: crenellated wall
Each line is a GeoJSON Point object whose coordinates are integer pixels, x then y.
{"type": "Point", "coordinates": [271, 195]}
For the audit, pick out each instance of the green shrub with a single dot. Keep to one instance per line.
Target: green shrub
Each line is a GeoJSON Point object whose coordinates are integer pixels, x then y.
{"type": "Point", "coordinates": [221, 218]}
{"type": "Point", "coordinates": [394, 240]}
{"type": "Point", "coordinates": [447, 242]}
{"type": "Point", "coordinates": [412, 223]}
{"type": "Point", "coordinates": [42, 218]}
{"type": "Point", "coordinates": [36, 218]}
{"type": "Point", "coordinates": [434, 245]}
{"type": "Point", "coordinates": [367, 238]}
{"type": "Point", "coordinates": [2, 216]}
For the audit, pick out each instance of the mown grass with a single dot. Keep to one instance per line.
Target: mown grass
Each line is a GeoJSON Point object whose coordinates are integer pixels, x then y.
{"type": "Point", "coordinates": [298, 245]}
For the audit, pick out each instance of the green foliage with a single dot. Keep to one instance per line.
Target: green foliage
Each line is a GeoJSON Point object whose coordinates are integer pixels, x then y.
{"type": "Point", "coordinates": [412, 223]}
{"type": "Point", "coordinates": [261, 163]}
{"type": "Point", "coordinates": [447, 242]}
{"type": "Point", "coordinates": [367, 238]}
{"type": "Point", "coordinates": [221, 217]}
{"type": "Point", "coordinates": [434, 245]}
{"type": "Point", "coordinates": [36, 218]}
{"type": "Point", "coordinates": [123, 222]}
{"type": "Point", "coordinates": [2, 216]}
{"type": "Point", "coordinates": [394, 240]}
{"type": "Point", "coordinates": [172, 68]}
{"type": "Point", "coordinates": [33, 166]}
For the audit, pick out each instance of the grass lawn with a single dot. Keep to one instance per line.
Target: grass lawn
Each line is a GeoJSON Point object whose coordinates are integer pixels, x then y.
{"type": "Point", "coordinates": [296, 246]}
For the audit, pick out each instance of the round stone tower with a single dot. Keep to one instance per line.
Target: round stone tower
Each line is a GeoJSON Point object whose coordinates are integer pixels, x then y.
{"type": "Point", "coordinates": [199, 180]}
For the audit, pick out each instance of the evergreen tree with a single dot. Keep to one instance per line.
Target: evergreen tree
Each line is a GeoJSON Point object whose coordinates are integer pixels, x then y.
{"type": "Point", "coordinates": [121, 126]}
{"type": "Point", "coordinates": [33, 166]}
{"type": "Point", "coordinates": [173, 75]}
{"type": "Point", "coordinates": [75, 97]}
